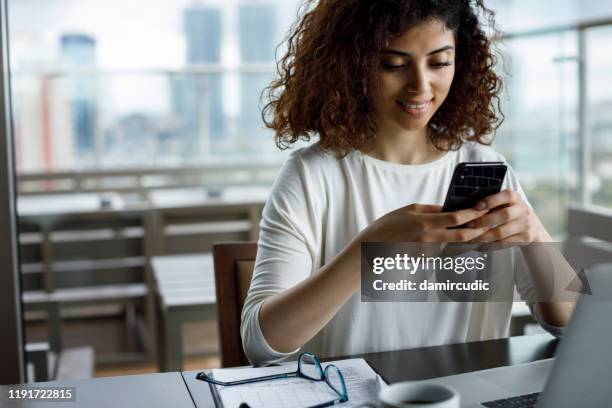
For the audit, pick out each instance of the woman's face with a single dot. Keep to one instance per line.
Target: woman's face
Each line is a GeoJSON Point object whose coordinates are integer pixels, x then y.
{"type": "Point", "coordinates": [415, 75]}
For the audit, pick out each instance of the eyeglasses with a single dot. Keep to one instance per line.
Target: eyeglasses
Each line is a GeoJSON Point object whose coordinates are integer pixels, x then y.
{"type": "Point", "coordinates": [309, 367]}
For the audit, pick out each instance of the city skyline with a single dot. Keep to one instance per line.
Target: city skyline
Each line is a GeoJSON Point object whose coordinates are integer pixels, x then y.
{"type": "Point", "coordinates": [202, 111]}
{"type": "Point", "coordinates": [222, 111]}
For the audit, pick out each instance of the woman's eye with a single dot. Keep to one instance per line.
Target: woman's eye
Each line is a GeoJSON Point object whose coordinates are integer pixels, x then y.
{"type": "Point", "coordinates": [392, 67]}
{"type": "Point", "coordinates": [441, 64]}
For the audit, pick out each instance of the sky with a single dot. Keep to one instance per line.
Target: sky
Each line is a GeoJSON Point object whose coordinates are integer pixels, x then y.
{"type": "Point", "coordinates": [524, 15]}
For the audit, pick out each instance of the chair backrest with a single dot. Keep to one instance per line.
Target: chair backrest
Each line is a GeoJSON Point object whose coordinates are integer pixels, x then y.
{"type": "Point", "coordinates": [234, 262]}
{"type": "Point", "coordinates": [589, 240]}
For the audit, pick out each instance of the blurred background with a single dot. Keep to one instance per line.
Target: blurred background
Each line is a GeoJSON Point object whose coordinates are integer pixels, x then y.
{"type": "Point", "coordinates": [139, 143]}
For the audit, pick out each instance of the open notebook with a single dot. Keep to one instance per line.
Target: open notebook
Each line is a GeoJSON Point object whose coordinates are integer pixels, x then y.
{"type": "Point", "coordinates": [362, 384]}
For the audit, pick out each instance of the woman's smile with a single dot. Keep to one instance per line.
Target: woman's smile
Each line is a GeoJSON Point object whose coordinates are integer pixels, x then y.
{"type": "Point", "coordinates": [414, 108]}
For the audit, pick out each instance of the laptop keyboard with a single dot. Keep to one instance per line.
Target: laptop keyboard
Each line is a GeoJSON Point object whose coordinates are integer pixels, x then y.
{"type": "Point", "coordinates": [522, 401]}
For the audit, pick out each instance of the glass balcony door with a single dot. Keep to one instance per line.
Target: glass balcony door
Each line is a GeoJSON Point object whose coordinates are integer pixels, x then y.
{"type": "Point", "coordinates": [539, 136]}
{"type": "Point", "coordinates": [599, 115]}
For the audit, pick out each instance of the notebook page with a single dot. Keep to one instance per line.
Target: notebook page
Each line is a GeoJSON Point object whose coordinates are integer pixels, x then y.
{"type": "Point", "coordinates": [361, 383]}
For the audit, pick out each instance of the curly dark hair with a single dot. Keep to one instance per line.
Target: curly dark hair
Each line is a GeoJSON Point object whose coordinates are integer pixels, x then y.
{"type": "Point", "coordinates": [324, 82]}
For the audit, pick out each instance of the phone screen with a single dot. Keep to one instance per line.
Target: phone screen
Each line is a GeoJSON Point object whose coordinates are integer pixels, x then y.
{"type": "Point", "coordinates": [472, 182]}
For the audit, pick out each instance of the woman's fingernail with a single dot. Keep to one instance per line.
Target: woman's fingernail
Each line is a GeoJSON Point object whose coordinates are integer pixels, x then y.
{"type": "Point", "coordinates": [481, 205]}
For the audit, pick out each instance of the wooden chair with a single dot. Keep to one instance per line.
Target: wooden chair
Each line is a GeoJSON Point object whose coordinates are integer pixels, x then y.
{"type": "Point", "coordinates": [90, 258]}
{"type": "Point", "coordinates": [234, 264]}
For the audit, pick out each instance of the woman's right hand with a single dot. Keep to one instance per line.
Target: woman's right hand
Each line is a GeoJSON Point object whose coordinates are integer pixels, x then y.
{"type": "Point", "coordinates": [424, 223]}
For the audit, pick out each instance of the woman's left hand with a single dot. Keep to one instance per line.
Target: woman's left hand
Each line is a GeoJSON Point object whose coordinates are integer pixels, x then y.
{"type": "Point", "coordinates": [510, 220]}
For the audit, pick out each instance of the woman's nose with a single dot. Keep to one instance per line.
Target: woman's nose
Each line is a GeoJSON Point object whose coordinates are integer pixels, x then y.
{"type": "Point", "coordinates": [417, 81]}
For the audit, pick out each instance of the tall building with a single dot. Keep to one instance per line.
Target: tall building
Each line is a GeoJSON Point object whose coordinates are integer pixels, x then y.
{"type": "Point", "coordinates": [79, 51]}
{"type": "Point", "coordinates": [198, 99]}
{"type": "Point", "coordinates": [257, 36]}
{"type": "Point", "coordinates": [203, 30]}
{"type": "Point", "coordinates": [257, 25]}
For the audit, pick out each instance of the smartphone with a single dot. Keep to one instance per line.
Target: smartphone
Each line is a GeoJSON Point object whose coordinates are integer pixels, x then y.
{"type": "Point", "coordinates": [472, 182]}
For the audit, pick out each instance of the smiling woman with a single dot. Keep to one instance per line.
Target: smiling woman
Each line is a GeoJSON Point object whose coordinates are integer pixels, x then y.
{"type": "Point", "coordinates": [398, 92]}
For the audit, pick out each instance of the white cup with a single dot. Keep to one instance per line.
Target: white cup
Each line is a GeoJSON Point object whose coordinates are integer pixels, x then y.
{"type": "Point", "coordinates": [414, 395]}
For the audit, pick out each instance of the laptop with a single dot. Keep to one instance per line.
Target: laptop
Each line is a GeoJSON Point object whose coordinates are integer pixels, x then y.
{"type": "Point", "coordinates": [578, 376]}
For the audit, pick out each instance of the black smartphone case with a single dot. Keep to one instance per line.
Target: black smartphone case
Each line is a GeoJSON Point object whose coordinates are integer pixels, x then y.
{"type": "Point", "coordinates": [472, 182]}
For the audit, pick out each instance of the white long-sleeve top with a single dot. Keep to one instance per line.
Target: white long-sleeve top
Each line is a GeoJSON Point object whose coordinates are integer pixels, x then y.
{"type": "Point", "coordinates": [318, 204]}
